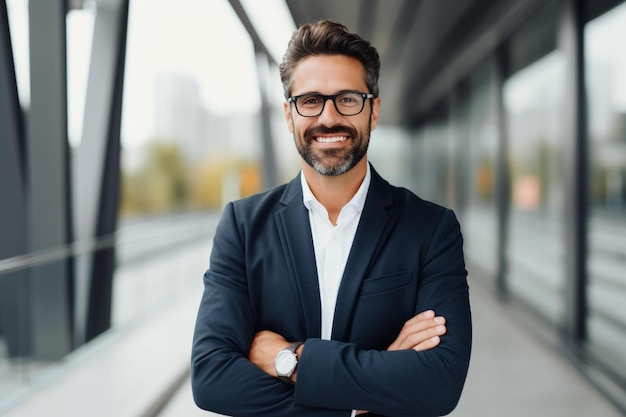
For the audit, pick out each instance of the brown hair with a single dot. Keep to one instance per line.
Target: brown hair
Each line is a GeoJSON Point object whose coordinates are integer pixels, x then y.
{"type": "Point", "coordinates": [326, 37]}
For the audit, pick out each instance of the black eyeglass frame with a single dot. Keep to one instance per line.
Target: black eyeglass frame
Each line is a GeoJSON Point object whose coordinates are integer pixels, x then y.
{"type": "Point", "coordinates": [332, 97]}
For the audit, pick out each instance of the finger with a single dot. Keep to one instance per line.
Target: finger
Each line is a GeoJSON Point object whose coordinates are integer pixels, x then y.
{"type": "Point", "coordinates": [419, 337]}
{"type": "Point", "coordinates": [410, 339]}
{"type": "Point", "coordinates": [424, 315]}
{"type": "Point", "coordinates": [415, 326]}
{"type": "Point", "coordinates": [427, 344]}
{"type": "Point", "coordinates": [423, 320]}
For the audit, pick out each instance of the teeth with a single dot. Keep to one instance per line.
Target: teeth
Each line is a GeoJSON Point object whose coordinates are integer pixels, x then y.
{"type": "Point", "coordinates": [331, 139]}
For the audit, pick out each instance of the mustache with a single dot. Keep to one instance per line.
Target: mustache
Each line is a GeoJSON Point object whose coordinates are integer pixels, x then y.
{"type": "Point", "coordinates": [334, 130]}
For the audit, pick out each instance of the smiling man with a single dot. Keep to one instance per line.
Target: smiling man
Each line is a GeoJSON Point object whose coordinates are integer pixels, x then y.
{"type": "Point", "coordinates": [336, 294]}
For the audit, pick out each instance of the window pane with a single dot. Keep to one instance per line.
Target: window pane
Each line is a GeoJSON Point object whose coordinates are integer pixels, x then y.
{"type": "Point", "coordinates": [434, 164]}
{"type": "Point", "coordinates": [606, 90]}
{"type": "Point", "coordinates": [190, 128]}
{"type": "Point", "coordinates": [190, 133]}
{"type": "Point", "coordinates": [535, 254]}
{"type": "Point", "coordinates": [480, 217]}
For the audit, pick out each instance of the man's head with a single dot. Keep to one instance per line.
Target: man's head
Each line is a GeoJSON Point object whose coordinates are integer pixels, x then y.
{"type": "Point", "coordinates": [329, 38]}
{"type": "Point", "coordinates": [330, 78]}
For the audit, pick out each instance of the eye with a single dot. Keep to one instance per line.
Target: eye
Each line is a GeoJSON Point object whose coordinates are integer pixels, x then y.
{"type": "Point", "coordinates": [349, 99]}
{"type": "Point", "coordinates": [310, 100]}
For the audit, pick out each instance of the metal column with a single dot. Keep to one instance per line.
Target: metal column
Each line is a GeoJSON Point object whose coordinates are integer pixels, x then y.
{"type": "Point", "coordinates": [270, 171]}
{"type": "Point", "coordinates": [263, 61]}
{"type": "Point", "coordinates": [503, 187]}
{"type": "Point", "coordinates": [48, 179]}
{"type": "Point", "coordinates": [571, 43]}
{"type": "Point", "coordinates": [96, 168]}
{"type": "Point", "coordinates": [13, 309]}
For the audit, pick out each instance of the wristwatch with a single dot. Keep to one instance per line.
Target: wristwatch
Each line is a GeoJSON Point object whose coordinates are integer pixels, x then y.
{"type": "Point", "coordinates": [286, 361]}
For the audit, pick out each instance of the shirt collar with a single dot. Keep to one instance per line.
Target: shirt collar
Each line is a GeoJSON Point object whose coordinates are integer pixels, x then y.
{"type": "Point", "coordinates": [357, 201]}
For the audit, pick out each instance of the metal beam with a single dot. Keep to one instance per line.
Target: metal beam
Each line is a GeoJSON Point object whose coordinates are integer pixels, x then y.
{"type": "Point", "coordinates": [13, 309]}
{"type": "Point", "coordinates": [571, 43]}
{"type": "Point", "coordinates": [259, 46]}
{"type": "Point", "coordinates": [270, 172]}
{"type": "Point", "coordinates": [48, 179]}
{"type": "Point", "coordinates": [96, 168]}
{"type": "Point", "coordinates": [503, 180]}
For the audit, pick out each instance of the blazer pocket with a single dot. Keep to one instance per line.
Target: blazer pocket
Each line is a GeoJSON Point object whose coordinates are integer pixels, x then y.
{"type": "Point", "coordinates": [386, 282]}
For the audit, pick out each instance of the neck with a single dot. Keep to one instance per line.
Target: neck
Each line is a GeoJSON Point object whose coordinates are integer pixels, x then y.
{"type": "Point", "coordinates": [334, 192]}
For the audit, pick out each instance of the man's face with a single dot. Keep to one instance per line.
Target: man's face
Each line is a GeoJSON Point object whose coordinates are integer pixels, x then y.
{"type": "Point", "coordinates": [331, 143]}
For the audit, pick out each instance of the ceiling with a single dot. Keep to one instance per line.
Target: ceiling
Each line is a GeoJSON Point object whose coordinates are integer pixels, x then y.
{"type": "Point", "coordinates": [425, 45]}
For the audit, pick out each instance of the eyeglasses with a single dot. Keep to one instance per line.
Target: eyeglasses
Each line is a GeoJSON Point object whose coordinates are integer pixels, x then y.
{"type": "Point", "coordinates": [348, 103]}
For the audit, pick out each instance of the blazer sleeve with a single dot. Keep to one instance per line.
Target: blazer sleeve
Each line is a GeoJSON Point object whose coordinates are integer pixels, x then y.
{"type": "Point", "coordinates": [223, 379]}
{"type": "Point", "coordinates": [402, 383]}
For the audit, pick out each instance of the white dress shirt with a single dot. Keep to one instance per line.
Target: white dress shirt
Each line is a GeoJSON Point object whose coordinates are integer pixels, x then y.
{"type": "Point", "coordinates": [332, 245]}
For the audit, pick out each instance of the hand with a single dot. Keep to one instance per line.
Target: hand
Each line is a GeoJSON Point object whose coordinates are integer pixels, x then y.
{"type": "Point", "coordinates": [421, 332]}
{"type": "Point", "coordinates": [265, 346]}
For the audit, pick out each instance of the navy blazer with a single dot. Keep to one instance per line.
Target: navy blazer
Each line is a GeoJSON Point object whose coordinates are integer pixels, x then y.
{"type": "Point", "coordinates": [407, 257]}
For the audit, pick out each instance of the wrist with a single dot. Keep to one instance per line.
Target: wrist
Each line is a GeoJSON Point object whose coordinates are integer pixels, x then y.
{"type": "Point", "coordinates": [286, 362]}
{"type": "Point", "coordinates": [298, 353]}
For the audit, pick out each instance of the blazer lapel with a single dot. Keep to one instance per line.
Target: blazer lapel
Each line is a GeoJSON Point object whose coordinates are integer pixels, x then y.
{"type": "Point", "coordinates": [297, 245]}
{"type": "Point", "coordinates": [374, 226]}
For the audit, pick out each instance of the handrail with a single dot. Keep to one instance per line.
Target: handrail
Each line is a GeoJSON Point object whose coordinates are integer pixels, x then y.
{"type": "Point", "coordinates": [45, 256]}
{"type": "Point", "coordinates": [120, 238]}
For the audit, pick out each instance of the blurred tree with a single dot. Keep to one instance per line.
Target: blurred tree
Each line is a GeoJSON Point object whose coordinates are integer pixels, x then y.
{"type": "Point", "coordinates": [159, 185]}
{"type": "Point", "coordinates": [164, 183]}
{"type": "Point", "coordinates": [207, 185]}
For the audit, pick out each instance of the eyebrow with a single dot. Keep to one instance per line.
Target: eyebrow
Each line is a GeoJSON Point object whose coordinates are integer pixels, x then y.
{"type": "Point", "coordinates": [322, 94]}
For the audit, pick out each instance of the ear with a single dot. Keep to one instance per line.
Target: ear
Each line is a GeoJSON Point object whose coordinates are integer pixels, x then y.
{"type": "Point", "coordinates": [288, 118]}
{"type": "Point", "coordinates": [375, 111]}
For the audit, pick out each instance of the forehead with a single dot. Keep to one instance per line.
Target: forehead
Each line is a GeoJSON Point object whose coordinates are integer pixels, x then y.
{"type": "Point", "coordinates": [328, 74]}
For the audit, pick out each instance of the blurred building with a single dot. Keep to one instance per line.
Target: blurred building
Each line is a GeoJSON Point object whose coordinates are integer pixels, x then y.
{"type": "Point", "coordinates": [179, 115]}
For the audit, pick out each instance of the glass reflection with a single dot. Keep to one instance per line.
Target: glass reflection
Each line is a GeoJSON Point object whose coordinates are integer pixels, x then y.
{"type": "Point", "coordinates": [533, 104]}
{"type": "Point", "coordinates": [480, 217]}
{"type": "Point", "coordinates": [606, 91]}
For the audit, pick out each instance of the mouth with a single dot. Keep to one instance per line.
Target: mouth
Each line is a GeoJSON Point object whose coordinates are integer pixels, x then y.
{"type": "Point", "coordinates": [330, 139]}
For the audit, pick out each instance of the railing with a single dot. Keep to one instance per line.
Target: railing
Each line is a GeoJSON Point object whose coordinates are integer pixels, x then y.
{"type": "Point", "coordinates": [156, 261]}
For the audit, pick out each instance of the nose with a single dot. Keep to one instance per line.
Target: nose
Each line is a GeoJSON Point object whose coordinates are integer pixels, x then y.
{"type": "Point", "coordinates": [329, 115]}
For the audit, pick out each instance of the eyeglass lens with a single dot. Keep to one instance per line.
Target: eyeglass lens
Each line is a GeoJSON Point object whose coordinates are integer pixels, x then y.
{"type": "Point", "coordinates": [347, 104]}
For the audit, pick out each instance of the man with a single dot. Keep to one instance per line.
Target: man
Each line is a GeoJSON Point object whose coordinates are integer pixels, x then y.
{"type": "Point", "coordinates": [336, 294]}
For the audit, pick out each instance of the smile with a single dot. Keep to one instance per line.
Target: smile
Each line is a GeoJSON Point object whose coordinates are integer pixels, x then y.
{"type": "Point", "coordinates": [332, 139]}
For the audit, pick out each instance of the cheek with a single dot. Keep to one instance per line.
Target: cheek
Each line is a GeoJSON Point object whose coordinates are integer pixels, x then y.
{"type": "Point", "coordinates": [298, 127]}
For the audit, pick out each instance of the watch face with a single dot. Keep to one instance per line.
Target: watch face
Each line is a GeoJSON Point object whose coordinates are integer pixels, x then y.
{"type": "Point", "coordinates": [285, 363]}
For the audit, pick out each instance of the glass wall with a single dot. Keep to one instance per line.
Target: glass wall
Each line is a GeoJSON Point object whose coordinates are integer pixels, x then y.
{"type": "Point", "coordinates": [192, 131]}
{"type": "Point", "coordinates": [480, 214]}
{"type": "Point", "coordinates": [389, 153]}
{"type": "Point", "coordinates": [606, 94]}
{"type": "Point", "coordinates": [526, 115]}
{"type": "Point", "coordinates": [533, 100]}
{"type": "Point", "coordinates": [191, 137]}
{"type": "Point", "coordinates": [431, 162]}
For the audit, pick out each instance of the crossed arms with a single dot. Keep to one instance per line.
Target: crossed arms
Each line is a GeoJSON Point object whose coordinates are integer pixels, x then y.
{"type": "Point", "coordinates": [421, 332]}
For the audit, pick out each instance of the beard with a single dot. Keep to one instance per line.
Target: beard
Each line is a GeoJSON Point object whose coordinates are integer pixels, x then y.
{"type": "Point", "coordinates": [333, 162]}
